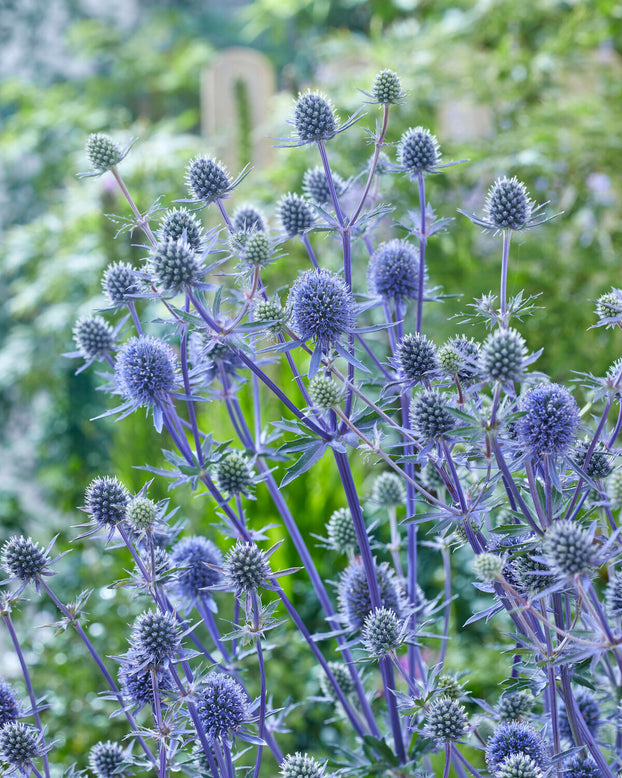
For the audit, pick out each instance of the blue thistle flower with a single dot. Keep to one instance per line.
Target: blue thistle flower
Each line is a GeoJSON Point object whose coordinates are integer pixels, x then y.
{"type": "Point", "coordinates": [22, 559]}
{"type": "Point", "coordinates": [102, 152]}
{"type": "Point", "coordinates": [94, 337]}
{"type": "Point", "coordinates": [106, 759]}
{"type": "Point", "coordinates": [340, 531]}
{"type": "Point", "coordinates": [389, 490]}
{"type": "Point", "coordinates": [613, 594]}
{"type": "Point", "coordinates": [246, 567]}
{"type": "Point", "coordinates": [9, 704]}
{"type": "Point", "coordinates": [207, 179]}
{"type": "Point", "coordinates": [502, 356]}
{"type": "Point", "coordinates": [446, 720]}
{"type": "Point", "coordinates": [322, 307]}
{"type": "Point", "coordinates": [295, 214]}
{"type": "Point", "coordinates": [247, 218]}
{"type": "Point", "coordinates": [519, 766]}
{"type": "Point", "coordinates": [233, 473]}
{"type": "Point", "coordinates": [181, 224]}
{"type": "Point", "coordinates": [344, 681]}
{"type": "Point", "coordinates": [508, 206]}
{"type": "Point", "coordinates": [393, 270]}
{"type": "Point", "coordinates": [586, 702]}
{"type": "Point", "coordinates": [193, 555]}
{"type": "Point", "coordinates": [600, 464]}
{"type": "Point", "coordinates": [386, 89]}
{"type": "Point", "coordinates": [155, 637]}
{"type": "Point", "coordinates": [19, 744]}
{"type": "Point", "coordinates": [314, 118]}
{"type": "Point", "coordinates": [174, 265]}
{"type": "Point", "coordinates": [324, 392]}
{"type": "Point", "coordinates": [135, 679]}
{"type": "Point", "coordinates": [577, 767]}
{"type": "Point", "coordinates": [120, 283]}
{"type": "Point", "coordinates": [106, 501]}
{"type": "Point", "coordinates": [459, 357]}
{"type": "Point", "coordinates": [514, 737]}
{"type": "Point", "coordinates": [569, 549]}
{"type": "Point", "coordinates": [145, 370]}
{"type": "Point", "coordinates": [300, 766]}
{"type": "Point", "coordinates": [416, 357]}
{"type": "Point", "coordinates": [551, 420]}
{"type": "Point", "coordinates": [418, 151]}
{"type": "Point", "coordinates": [315, 185]}
{"type": "Point", "coordinates": [430, 417]}
{"type": "Point", "coordinates": [382, 632]}
{"type": "Point", "coordinates": [353, 591]}
{"type": "Point", "coordinates": [223, 706]}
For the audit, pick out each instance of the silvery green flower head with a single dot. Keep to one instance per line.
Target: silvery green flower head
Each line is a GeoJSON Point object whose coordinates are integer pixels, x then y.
{"type": "Point", "coordinates": [107, 759]}
{"type": "Point", "coordinates": [20, 744]}
{"type": "Point", "coordinates": [609, 309]}
{"type": "Point", "coordinates": [104, 153]}
{"type": "Point", "coordinates": [208, 180]}
{"type": "Point", "coordinates": [386, 88]}
{"type": "Point", "coordinates": [315, 121]}
{"type": "Point", "coordinates": [180, 223]}
{"type": "Point", "coordinates": [196, 558]}
{"type": "Point", "coordinates": [508, 207]}
{"type": "Point", "coordinates": [315, 185]}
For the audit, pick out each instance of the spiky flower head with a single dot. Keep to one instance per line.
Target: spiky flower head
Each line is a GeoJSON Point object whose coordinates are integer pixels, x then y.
{"type": "Point", "coordinates": [19, 743]}
{"type": "Point", "coordinates": [529, 574]}
{"type": "Point", "coordinates": [449, 686]}
{"type": "Point", "coordinates": [515, 705]}
{"type": "Point", "coordinates": [577, 767]}
{"type": "Point", "coordinates": [514, 737]}
{"type": "Point", "coordinates": [174, 265]}
{"type": "Point", "coordinates": [324, 392]}
{"type": "Point", "coordinates": [316, 188]}
{"type": "Point", "coordinates": [222, 705]}
{"type": "Point", "coordinates": [193, 555]}
{"type": "Point", "coordinates": [295, 214]}
{"type": "Point", "coordinates": [207, 179]}
{"type": "Point", "coordinates": [22, 558]}
{"type": "Point", "coordinates": [354, 597]}
{"type": "Point", "coordinates": [340, 531]}
{"type": "Point", "coordinates": [119, 283]}
{"type": "Point", "coordinates": [386, 88]}
{"type": "Point", "coordinates": [102, 152]}
{"type": "Point", "coordinates": [271, 310]}
{"type": "Point", "coordinates": [106, 759]}
{"type": "Point", "coordinates": [459, 356]}
{"type": "Point", "coordinates": [589, 709]}
{"type": "Point", "coordinates": [418, 151]}
{"type": "Point", "coordinates": [314, 117]}
{"type": "Point", "coordinates": [141, 513]}
{"type": "Point", "coordinates": [321, 305]}
{"type": "Point", "coordinates": [416, 357]}
{"type": "Point", "coordinates": [247, 218]}
{"type": "Point", "coordinates": [233, 473]}
{"type": "Point", "coordinates": [181, 224]}
{"type": "Point", "coordinates": [600, 463]}
{"type": "Point", "coordinates": [519, 766]}
{"type": "Point", "coordinates": [569, 549]}
{"type": "Point", "coordinates": [389, 490]}
{"type": "Point", "coordinates": [446, 720]}
{"type": "Point", "coordinates": [300, 766]}
{"type": "Point", "coordinates": [393, 270]}
{"type": "Point", "coordinates": [344, 680]}
{"type": "Point", "coordinates": [551, 420]}
{"type": "Point", "coordinates": [488, 566]}
{"type": "Point", "coordinates": [609, 306]}
{"type": "Point", "coordinates": [257, 250]}
{"type": "Point", "coordinates": [508, 206]}
{"type": "Point", "coordinates": [136, 681]}
{"type": "Point", "coordinates": [502, 356]}
{"type": "Point", "coordinates": [9, 704]}
{"type": "Point", "coordinates": [430, 417]}
{"type": "Point", "coordinates": [155, 637]}
{"type": "Point", "coordinates": [614, 488]}
{"type": "Point", "coordinates": [106, 501]}
{"type": "Point", "coordinates": [93, 336]}
{"type": "Point", "coordinates": [145, 370]}
{"type": "Point", "coordinates": [613, 594]}
{"type": "Point", "coordinates": [246, 567]}
{"type": "Point", "coordinates": [382, 632]}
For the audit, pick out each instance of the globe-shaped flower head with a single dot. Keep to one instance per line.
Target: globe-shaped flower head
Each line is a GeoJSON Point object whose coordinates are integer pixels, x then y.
{"type": "Point", "coordinates": [316, 188]}
{"type": "Point", "coordinates": [569, 549]}
{"type": "Point", "coordinates": [340, 532]}
{"type": "Point", "coordinates": [295, 214]}
{"type": "Point", "coordinates": [389, 490]}
{"type": "Point", "coordinates": [93, 337]}
{"type": "Point", "coordinates": [344, 680]}
{"type": "Point", "coordinates": [446, 719]}
{"type": "Point", "coordinates": [248, 218]}
{"type": "Point", "coordinates": [300, 766]}
{"type": "Point", "coordinates": [590, 711]}
{"type": "Point", "coordinates": [519, 766]}
{"type": "Point", "coordinates": [103, 153]}
{"type": "Point", "coordinates": [459, 357]}
{"type": "Point", "coordinates": [614, 594]}
{"type": "Point", "coordinates": [155, 637]}
{"type": "Point", "coordinates": [119, 283]}
{"type": "Point", "coordinates": [207, 179]}
{"type": "Point", "coordinates": [418, 151]}
{"type": "Point", "coordinates": [106, 501]}
{"type": "Point", "coordinates": [430, 416]}
{"type": "Point", "coordinates": [382, 632]}
{"type": "Point", "coordinates": [416, 357]}
{"type": "Point", "coordinates": [174, 265]}
{"type": "Point", "coordinates": [145, 370]}
{"type": "Point", "coordinates": [23, 560]}
{"type": "Point", "coordinates": [551, 420]}
{"type": "Point", "coordinates": [513, 738]}
{"type": "Point", "coordinates": [393, 270]}
{"type": "Point", "coordinates": [246, 567]}
{"type": "Point", "coordinates": [179, 223]}
{"type": "Point", "coordinates": [19, 744]}
{"type": "Point", "coordinates": [193, 555]}
{"type": "Point", "coordinates": [222, 705]}
{"type": "Point", "coordinates": [9, 704]}
{"type": "Point", "coordinates": [324, 392]}
{"type": "Point", "coordinates": [577, 767]}
{"type": "Point", "coordinates": [386, 88]}
{"type": "Point", "coordinates": [503, 356]}
{"type": "Point", "coordinates": [106, 759]}
{"type": "Point", "coordinates": [508, 206]}
{"type": "Point", "coordinates": [354, 597]}
{"type": "Point", "coordinates": [233, 473]}
{"type": "Point", "coordinates": [314, 118]}
{"type": "Point", "coordinates": [322, 307]}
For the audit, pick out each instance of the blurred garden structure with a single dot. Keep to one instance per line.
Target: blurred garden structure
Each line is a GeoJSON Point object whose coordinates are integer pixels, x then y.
{"type": "Point", "coordinates": [529, 89]}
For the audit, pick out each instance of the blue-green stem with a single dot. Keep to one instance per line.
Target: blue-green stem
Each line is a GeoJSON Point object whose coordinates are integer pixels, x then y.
{"type": "Point", "coordinates": [262, 676]}
{"type": "Point", "coordinates": [157, 716]}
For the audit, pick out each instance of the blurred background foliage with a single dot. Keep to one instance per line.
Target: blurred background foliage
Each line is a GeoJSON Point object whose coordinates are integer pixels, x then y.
{"type": "Point", "coordinates": [531, 89]}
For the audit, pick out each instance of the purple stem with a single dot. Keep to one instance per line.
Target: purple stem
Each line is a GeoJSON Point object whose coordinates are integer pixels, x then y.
{"type": "Point", "coordinates": [505, 258]}
{"type": "Point", "coordinates": [423, 240]}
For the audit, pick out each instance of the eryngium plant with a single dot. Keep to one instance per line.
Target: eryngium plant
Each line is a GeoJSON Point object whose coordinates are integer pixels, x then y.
{"type": "Point", "coordinates": [464, 445]}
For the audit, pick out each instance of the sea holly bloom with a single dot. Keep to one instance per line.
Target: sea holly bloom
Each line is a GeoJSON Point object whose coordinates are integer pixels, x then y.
{"type": "Point", "coordinates": [196, 559]}
{"type": "Point", "coordinates": [383, 631]}
{"type": "Point", "coordinates": [386, 89]}
{"type": "Point", "coordinates": [223, 707]}
{"type": "Point", "coordinates": [9, 703]}
{"type": "Point", "coordinates": [107, 759]}
{"type": "Point", "coordinates": [104, 153]}
{"type": "Point", "coordinates": [208, 179]}
{"type": "Point", "coordinates": [314, 120]}
{"type": "Point", "coordinates": [416, 358]}
{"type": "Point", "coordinates": [446, 720]}
{"type": "Point", "coordinates": [155, 638]}
{"type": "Point", "coordinates": [586, 702]}
{"type": "Point", "coordinates": [393, 271]}
{"type": "Point", "coordinates": [120, 284]}
{"type": "Point", "coordinates": [295, 214]}
{"type": "Point", "coordinates": [301, 766]}
{"type": "Point", "coordinates": [315, 185]}
{"type": "Point", "coordinates": [25, 562]}
{"type": "Point", "coordinates": [550, 421]}
{"type": "Point", "coordinates": [180, 223]}
{"type": "Point", "coordinates": [513, 738]}
{"type": "Point", "coordinates": [508, 207]}
{"type": "Point", "coordinates": [20, 744]}
{"type": "Point", "coordinates": [418, 151]}
{"type": "Point", "coordinates": [354, 598]}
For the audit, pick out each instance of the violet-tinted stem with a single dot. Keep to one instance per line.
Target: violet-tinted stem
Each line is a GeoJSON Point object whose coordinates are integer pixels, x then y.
{"type": "Point", "coordinates": [225, 215]}
{"type": "Point", "coordinates": [447, 759]}
{"type": "Point", "coordinates": [142, 221]}
{"type": "Point", "coordinates": [157, 717]}
{"type": "Point", "coordinates": [31, 692]}
{"type": "Point", "coordinates": [456, 753]}
{"type": "Point", "coordinates": [183, 359]}
{"type": "Point", "coordinates": [505, 258]}
{"type": "Point", "coordinates": [447, 609]}
{"type": "Point", "coordinates": [310, 252]}
{"type": "Point", "coordinates": [331, 184]}
{"type": "Point", "coordinates": [91, 649]}
{"type": "Point", "coordinates": [210, 623]}
{"type": "Point", "coordinates": [374, 163]}
{"type": "Point", "coordinates": [509, 483]}
{"type": "Point", "coordinates": [262, 680]}
{"type": "Point", "coordinates": [423, 240]}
